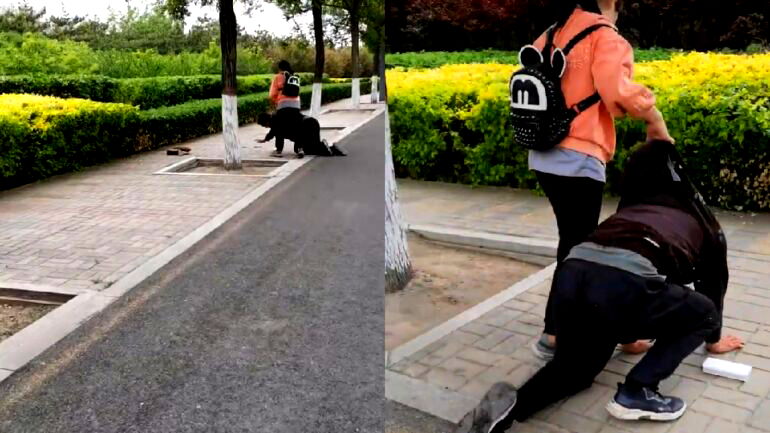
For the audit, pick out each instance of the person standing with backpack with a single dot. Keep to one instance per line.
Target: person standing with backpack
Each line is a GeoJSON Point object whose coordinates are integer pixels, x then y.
{"type": "Point", "coordinates": [576, 78]}
{"type": "Point", "coordinates": [284, 95]}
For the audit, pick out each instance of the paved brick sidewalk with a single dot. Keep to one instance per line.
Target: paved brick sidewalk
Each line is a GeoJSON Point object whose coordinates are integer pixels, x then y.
{"type": "Point", "coordinates": [84, 231]}
{"type": "Point", "coordinates": [496, 346]}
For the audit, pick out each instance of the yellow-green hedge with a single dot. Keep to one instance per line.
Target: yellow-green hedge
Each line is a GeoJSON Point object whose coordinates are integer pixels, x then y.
{"type": "Point", "coordinates": [42, 135]}
{"type": "Point", "coordinates": [451, 124]}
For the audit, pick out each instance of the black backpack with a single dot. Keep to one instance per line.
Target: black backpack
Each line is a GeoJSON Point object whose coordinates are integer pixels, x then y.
{"type": "Point", "coordinates": [291, 85]}
{"type": "Point", "coordinates": [541, 118]}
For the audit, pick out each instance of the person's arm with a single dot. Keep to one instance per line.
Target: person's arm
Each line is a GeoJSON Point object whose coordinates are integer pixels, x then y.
{"type": "Point", "coordinates": [711, 281]}
{"type": "Point", "coordinates": [613, 70]}
{"type": "Point", "coordinates": [270, 135]}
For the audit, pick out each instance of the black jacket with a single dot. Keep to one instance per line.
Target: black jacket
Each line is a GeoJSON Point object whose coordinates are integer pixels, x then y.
{"type": "Point", "coordinates": [662, 216]}
{"type": "Point", "coordinates": [286, 125]}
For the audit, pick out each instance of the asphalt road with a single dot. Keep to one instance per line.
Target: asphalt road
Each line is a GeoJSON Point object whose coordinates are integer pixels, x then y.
{"type": "Point", "coordinates": [274, 323]}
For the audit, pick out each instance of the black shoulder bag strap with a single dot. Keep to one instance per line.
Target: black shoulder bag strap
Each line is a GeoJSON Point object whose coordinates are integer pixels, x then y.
{"type": "Point", "coordinates": [595, 98]}
{"type": "Point", "coordinates": [549, 42]}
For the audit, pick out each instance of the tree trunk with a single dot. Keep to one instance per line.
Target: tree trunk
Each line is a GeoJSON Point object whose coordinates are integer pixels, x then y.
{"type": "Point", "coordinates": [398, 266]}
{"type": "Point", "coordinates": [228, 36]}
{"type": "Point", "coordinates": [381, 64]}
{"type": "Point", "coordinates": [354, 57]}
{"type": "Point", "coordinates": [375, 77]}
{"type": "Point", "coordinates": [320, 59]}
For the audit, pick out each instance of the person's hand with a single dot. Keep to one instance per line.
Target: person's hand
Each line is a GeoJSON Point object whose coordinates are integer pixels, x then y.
{"type": "Point", "coordinates": [657, 130]}
{"type": "Point", "coordinates": [726, 344]}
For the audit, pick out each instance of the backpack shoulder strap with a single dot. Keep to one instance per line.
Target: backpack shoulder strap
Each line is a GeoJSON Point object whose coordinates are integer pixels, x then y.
{"type": "Point", "coordinates": [549, 34]}
{"type": "Point", "coordinates": [595, 97]}
{"type": "Point", "coordinates": [580, 36]}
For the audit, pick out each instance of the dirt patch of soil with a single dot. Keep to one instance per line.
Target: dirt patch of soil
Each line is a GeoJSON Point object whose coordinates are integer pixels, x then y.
{"type": "Point", "coordinates": [447, 281]}
{"type": "Point", "coordinates": [15, 317]}
{"type": "Point", "coordinates": [245, 170]}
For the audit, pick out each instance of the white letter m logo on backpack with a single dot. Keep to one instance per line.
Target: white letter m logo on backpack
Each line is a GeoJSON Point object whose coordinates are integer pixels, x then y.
{"type": "Point", "coordinates": [528, 93]}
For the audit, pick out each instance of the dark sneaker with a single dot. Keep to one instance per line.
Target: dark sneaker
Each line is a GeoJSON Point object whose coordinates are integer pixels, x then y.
{"type": "Point", "coordinates": [645, 404]}
{"type": "Point", "coordinates": [493, 408]}
{"type": "Point", "coordinates": [336, 151]}
{"type": "Point", "coordinates": [543, 349]}
{"type": "Point", "coordinates": [300, 154]}
{"type": "Point", "coordinates": [277, 153]}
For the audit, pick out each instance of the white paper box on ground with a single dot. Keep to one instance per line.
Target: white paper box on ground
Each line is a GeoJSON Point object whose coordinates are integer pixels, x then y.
{"type": "Point", "coordinates": [728, 369]}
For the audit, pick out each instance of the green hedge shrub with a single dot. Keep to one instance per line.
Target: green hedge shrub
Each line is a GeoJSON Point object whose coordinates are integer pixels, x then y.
{"type": "Point", "coordinates": [434, 59]}
{"type": "Point", "coordinates": [93, 87]}
{"type": "Point", "coordinates": [145, 92]}
{"type": "Point", "coordinates": [717, 107]}
{"type": "Point", "coordinates": [171, 125]}
{"type": "Point", "coordinates": [43, 136]}
{"type": "Point", "coordinates": [34, 53]}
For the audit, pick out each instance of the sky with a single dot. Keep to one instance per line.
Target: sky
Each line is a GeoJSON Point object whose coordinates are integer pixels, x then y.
{"type": "Point", "coordinates": [269, 18]}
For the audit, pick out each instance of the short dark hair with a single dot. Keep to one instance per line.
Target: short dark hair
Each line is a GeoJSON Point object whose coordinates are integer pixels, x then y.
{"type": "Point", "coordinates": [285, 66]}
{"type": "Point", "coordinates": [264, 119]}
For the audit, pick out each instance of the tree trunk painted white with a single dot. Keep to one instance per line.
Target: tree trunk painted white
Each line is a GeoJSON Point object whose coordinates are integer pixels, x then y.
{"type": "Point", "coordinates": [230, 132]}
{"type": "Point", "coordinates": [356, 93]}
{"type": "Point", "coordinates": [315, 101]}
{"type": "Point", "coordinates": [375, 89]}
{"type": "Point", "coordinates": [398, 265]}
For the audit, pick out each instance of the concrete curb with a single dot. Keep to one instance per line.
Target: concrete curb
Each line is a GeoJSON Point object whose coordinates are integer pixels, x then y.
{"type": "Point", "coordinates": [347, 131]}
{"type": "Point", "coordinates": [19, 349]}
{"type": "Point", "coordinates": [415, 345]}
{"type": "Point", "coordinates": [485, 240]}
{"type": "Point", "coordinates": [434, 400]}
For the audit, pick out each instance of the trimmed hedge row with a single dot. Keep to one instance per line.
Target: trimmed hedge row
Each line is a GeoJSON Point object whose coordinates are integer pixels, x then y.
{"type": "Point", "coordinates": [146, 93]}
{"type": "Point", "coordinates": [171, 125]}
{"type": "Point", "coordinates": [41, 136]}
{"type": "Point", "coordinates": [434, 59]}
{"type": "Point", "coordinates": [452, 124]}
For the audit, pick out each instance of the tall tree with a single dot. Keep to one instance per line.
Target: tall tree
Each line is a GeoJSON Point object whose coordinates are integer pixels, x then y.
{"type": "Point", "coordinates": [353, 9]}
{"type": "Point", "coordinates": [373, 17]}
{"type": "Point", "coordinates": [292, 8]}
{"type": "Point", "coordinates": [228, 28]}
{"type": "Point", "coordinates": [22, 19]}
{"type": "Point", "coordinates": [398, 265]}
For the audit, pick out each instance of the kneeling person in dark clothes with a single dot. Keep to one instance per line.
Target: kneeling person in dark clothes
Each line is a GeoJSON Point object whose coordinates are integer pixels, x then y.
{"type": "Point", "coordinates": [626, 283]}
{"type": "Point", "coordinates": [304, 131]}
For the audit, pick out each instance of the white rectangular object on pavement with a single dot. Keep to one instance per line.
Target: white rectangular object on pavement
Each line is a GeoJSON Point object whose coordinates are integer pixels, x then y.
{"type": "Point", "coordinates": [728, 369]}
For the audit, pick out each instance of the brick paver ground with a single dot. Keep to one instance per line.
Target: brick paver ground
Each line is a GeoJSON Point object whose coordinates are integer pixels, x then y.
{"type": "Point", "coordinates": [86, 230]}
{"type": "Point", "coordinates": [497, 345]}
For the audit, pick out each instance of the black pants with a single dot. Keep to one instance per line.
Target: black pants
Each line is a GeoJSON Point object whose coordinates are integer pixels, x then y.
{"type": "Point", "coordinates": [310, 138]}
{"type": "Point", "coordinates": [286, 119]}
{"type": "Point", "coordinates": [597, 307]}
{"type": "Point", "coordinates": [577, 203]}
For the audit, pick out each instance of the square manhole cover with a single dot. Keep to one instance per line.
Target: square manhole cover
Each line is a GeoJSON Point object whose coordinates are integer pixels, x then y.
{"type": "Point", "coordinates": [210, 166]}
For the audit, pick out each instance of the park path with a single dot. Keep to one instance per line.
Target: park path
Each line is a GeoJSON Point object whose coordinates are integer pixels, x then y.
{"type": "Point", "coordinates": [84, 231]}
{"type": "Point", "coordinates": [272, 323]}
{"type": "Point", "coordinates": [447, 377]}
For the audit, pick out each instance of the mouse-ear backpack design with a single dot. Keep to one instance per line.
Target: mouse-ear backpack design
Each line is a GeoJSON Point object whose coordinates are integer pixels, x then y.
{"type": "Point", "coordinates": [541, 118]}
